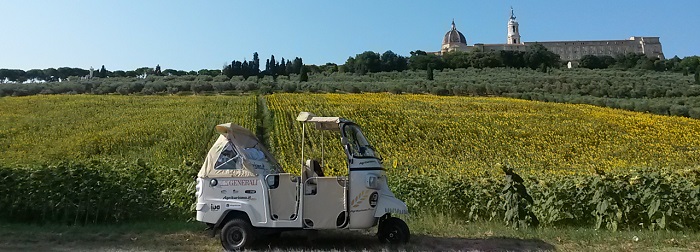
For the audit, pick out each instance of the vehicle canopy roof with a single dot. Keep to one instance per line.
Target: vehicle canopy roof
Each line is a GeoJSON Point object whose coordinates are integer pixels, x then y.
{"type": "Point", "coordinates": [322, 123]}
{"type": "Point", "coordinates": [237, 153]}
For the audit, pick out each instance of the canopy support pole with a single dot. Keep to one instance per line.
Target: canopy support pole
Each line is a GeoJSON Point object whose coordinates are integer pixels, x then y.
{"type": "Point", "coordinates": [303, 134]}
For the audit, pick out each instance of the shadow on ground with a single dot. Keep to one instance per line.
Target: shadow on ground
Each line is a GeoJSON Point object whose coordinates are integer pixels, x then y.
{"type": "Point", "coordinates": [358, 241]}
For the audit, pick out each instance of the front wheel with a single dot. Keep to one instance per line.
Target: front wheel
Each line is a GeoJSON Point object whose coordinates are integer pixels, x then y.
{"type": "Point", "coordinates": [236, 235]}
{"type": "Point", "coordinates": [394, 231]}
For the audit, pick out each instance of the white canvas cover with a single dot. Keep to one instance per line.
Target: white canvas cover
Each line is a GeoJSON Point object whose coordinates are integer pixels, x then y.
{"type": "Point", "coordinates": [237, 153]}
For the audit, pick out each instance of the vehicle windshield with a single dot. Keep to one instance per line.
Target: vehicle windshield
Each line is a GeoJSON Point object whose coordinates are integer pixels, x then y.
{"type": "Point", "coordinates": [358, 146]}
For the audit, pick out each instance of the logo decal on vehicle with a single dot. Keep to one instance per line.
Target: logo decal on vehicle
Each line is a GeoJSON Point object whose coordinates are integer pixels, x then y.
{"type": "Point", "coordinates": [396, 210]}
{"type": "Point", "coordinates": [215, 207]}
{"type": "Point", "coordinates": [360, 198]}
{"type": "Point", "coordinates": [373, 199]}
{"type": "Point", "coordinates": [239, 182]}
{"type": "Point", "coordinates": [238, 197]}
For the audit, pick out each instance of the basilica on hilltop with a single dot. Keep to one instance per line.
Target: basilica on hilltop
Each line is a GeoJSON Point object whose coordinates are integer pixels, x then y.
{"type": "Point", "coordinates": [570, 51]}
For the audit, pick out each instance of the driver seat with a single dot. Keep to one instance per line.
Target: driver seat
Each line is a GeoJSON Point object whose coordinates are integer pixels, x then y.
{"type": "Point", "coordinates": [313, 169]}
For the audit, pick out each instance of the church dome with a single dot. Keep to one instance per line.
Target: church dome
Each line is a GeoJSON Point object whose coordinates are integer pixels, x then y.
{"type": "Point", "coordinates": [454, 36]}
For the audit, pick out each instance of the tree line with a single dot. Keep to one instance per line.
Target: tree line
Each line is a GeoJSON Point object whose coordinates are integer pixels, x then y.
{"type": "Point", "coordinates": [64, 73]}
{"type": "Point", "coordinates": [641, 90]}
{"type": "Point", "coordinates": [243, 68]}
{"type": "Point", "coordinates": [536, 57]}
{"type": "Point", "coordinates": [640, 61]}
{"type": "Point", "coordinates": [626, 81]}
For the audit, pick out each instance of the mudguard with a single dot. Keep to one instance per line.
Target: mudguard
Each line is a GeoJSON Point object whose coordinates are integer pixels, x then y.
{"type": "Point", "coordinates": [389, 204]}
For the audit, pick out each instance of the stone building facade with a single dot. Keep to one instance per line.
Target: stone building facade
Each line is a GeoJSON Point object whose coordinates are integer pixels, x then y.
{"type": "Point", "coordinates": [570, 51]}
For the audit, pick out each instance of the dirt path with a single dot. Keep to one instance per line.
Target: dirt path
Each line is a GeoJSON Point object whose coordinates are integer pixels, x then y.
{"type": "Point", "coordinates": [295, 241]}
{"type": "Point", "coordinates": [180, 236]}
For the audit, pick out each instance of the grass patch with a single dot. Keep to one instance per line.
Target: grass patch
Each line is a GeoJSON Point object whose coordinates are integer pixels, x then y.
{"type": "Point", "coordinates": [430, 232]}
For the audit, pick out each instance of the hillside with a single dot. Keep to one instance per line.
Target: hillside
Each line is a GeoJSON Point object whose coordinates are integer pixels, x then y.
{"type": "Point", "coordinates": [664, 93]}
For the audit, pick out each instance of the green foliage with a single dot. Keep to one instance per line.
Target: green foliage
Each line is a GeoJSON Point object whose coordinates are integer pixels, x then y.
{"type": "Point", "coordinates": [537, 56]}
{"type": "Point", "coordinates": [639, 199]}
{"type": "Point", "coordinates": [591, 62]}
{"type": "Point", "coordinates": [517, 201]}
{"type": "Point", "coordinates": [608, 202]}
{"type": "Point", "coordinates": [371, 62]}
{"type": "Point", "coordinates": [390, 61]}
{"type": "Point", "coordinates": [420, 60]}
{"type": "Point", "coordinates": [367, 62]}
{"type": "Point", "coordinates": [96, 191]}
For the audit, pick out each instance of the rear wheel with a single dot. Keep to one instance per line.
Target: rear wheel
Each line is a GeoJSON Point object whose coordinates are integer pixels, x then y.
{"type": "Point", "coordinates": [393, 230]}
{"type": "Point", "coordinates": [236, 235]}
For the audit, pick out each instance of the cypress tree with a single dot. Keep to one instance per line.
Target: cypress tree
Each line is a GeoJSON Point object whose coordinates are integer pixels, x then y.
{"type": "Point", "coordinates": [303, 76]}
{"type": "Point", "coordinates": [429, 69]}
{"type": "Point", "coordinates": [103, 72]}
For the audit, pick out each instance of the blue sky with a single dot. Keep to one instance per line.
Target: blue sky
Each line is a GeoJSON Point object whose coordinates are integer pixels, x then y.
{"type": "Point", "coordinates": [192, 35]}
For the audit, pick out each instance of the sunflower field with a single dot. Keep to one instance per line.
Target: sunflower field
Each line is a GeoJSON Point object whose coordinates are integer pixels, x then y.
{"type": "Point", "coordinates": [467, 136]}
{"type": "Point", "coordinates": [92, 159]}
{"type": "Point", "coordinates": [581, 164]}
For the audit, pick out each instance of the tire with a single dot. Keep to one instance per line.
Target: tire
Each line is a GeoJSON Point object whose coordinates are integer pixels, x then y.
{"type": "Point", "coordinates": [394, 231]}
{"type": "Point", "coordinates": [237, 235]}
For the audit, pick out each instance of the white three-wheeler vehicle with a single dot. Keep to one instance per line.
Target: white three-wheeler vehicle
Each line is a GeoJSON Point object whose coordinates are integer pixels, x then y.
{"type": "Point", "coordinates": [243, 192]}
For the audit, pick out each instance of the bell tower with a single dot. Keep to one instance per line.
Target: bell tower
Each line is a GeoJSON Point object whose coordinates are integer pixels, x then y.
{"type": "Point", "coordinates": [513, 29]}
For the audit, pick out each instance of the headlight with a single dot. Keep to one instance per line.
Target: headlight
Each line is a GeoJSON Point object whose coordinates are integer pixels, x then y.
{"type": "Point", "coordinates": [213, 182]}
{"type": "Point", "coordinates": [372, 182]}
{"type": "Point", "coordinates": [198, 188]}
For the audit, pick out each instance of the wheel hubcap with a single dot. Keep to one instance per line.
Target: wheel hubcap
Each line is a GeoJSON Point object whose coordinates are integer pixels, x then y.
{"type": "Point", "coordinates": [393, 235]}
{"type": "Point", "coordinates": [236, 237]}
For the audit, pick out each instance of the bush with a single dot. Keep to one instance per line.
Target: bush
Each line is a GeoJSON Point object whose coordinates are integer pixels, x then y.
{"type": "Point", "coordinates": [98, 191]}
{"type": "Point", "coordinates": [439, 91]}
{"type": "Point", "coordinates": [147, 91]}
{"type": "Point", "coordinates": [123, 89]}
{"type": "Point", "coordinates": [290, 88]}
{"type": "Point", "coordinates": [694, 113]}
{"type": "Point", "coordinates": [637, 199]}
{"type": "Point", "coordinates": [679, 110]}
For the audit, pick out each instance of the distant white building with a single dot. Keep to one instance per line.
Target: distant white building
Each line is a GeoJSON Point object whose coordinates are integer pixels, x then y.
{"type": "Point", "coordinates": [454, 40]}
